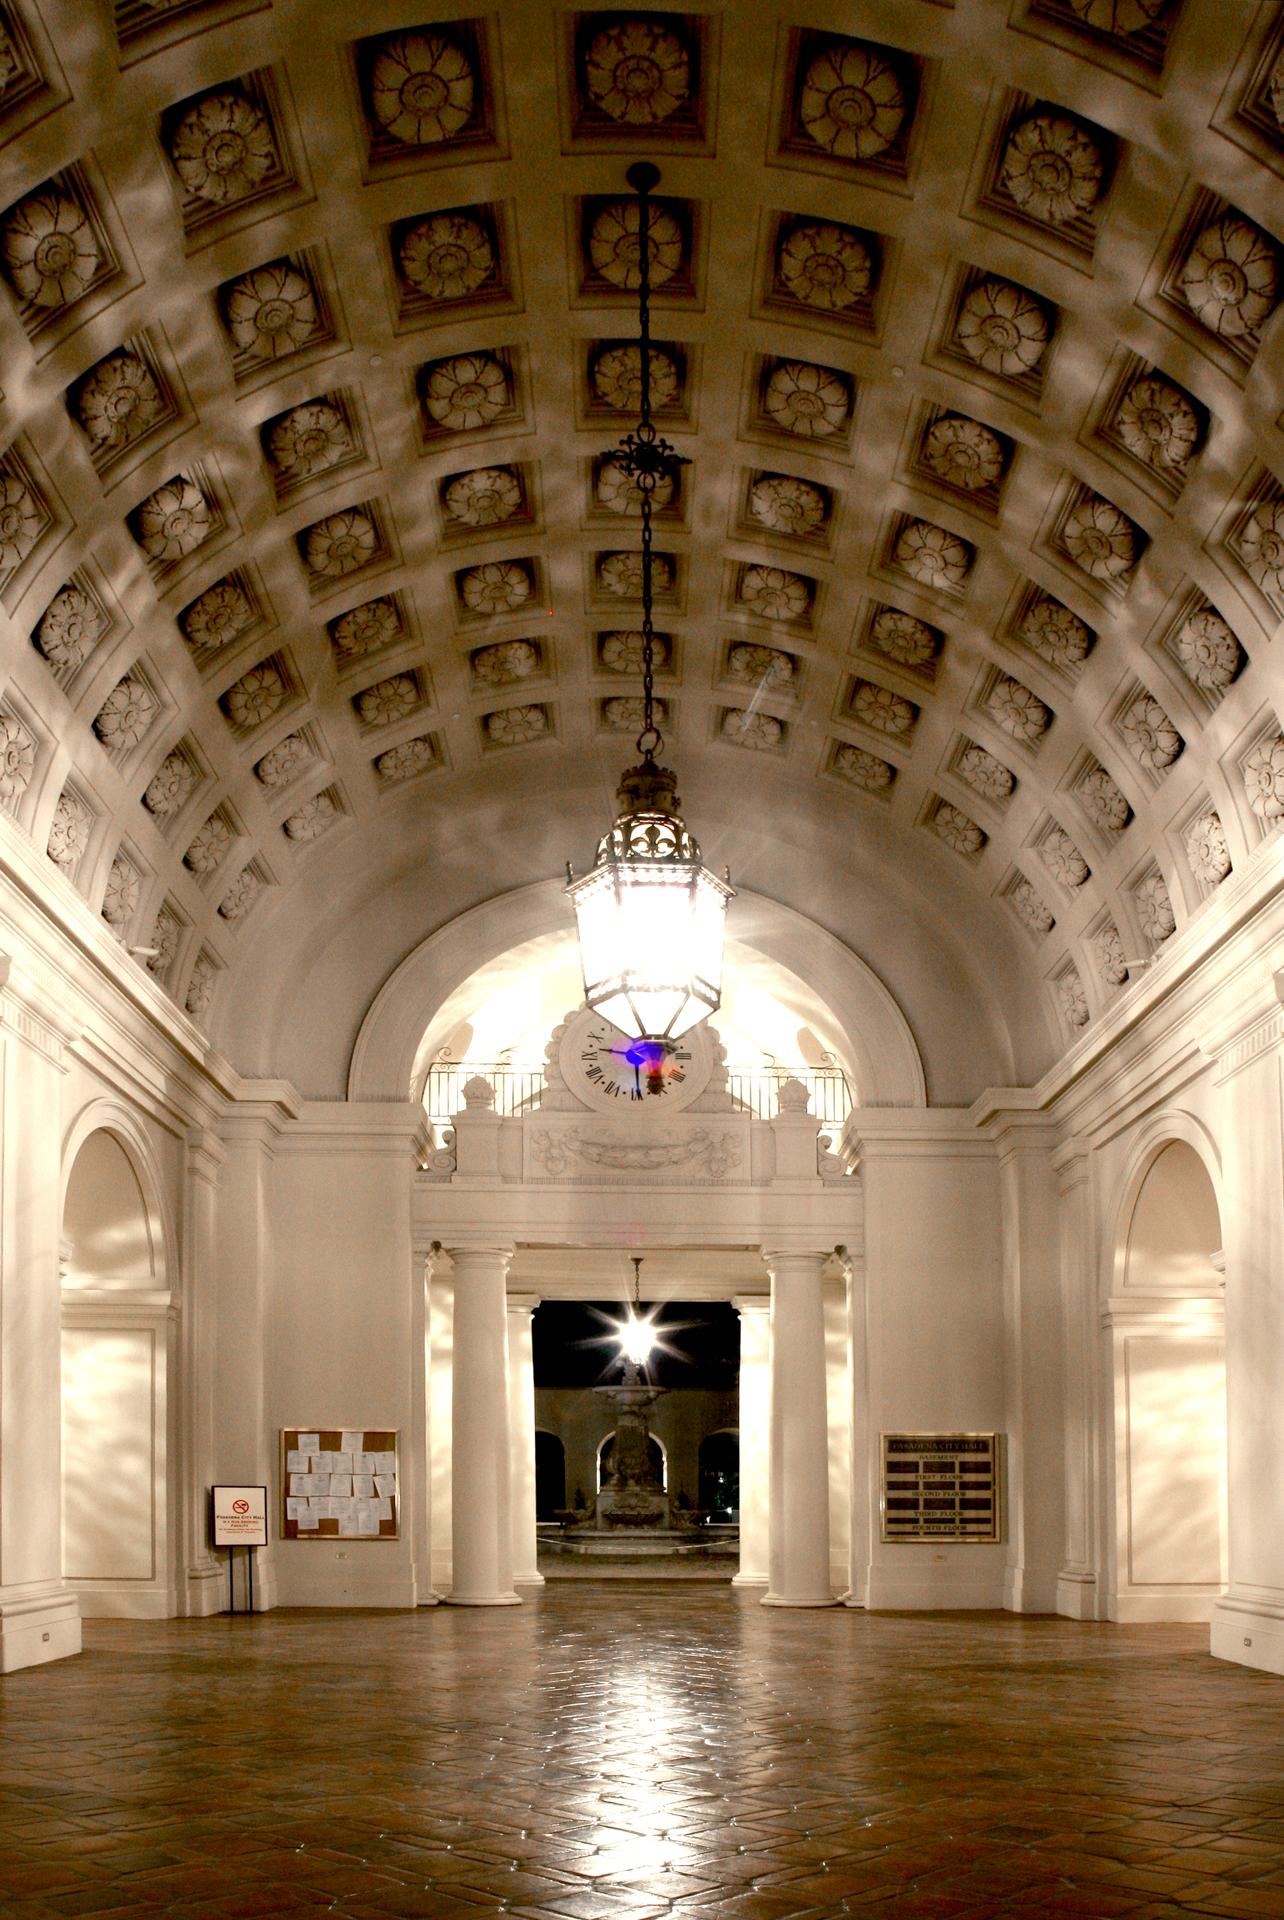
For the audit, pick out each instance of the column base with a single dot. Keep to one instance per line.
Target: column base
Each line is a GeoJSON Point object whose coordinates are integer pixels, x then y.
{"type": "Point", "coordinates": [748, 1579]}
{"type": "Point", "coordinates": [1030, 1590]}
{"type": "Point", "coordinates": [1077, 1595]}
{"type": "Point", "coordinates": [799, 1600]}
{"type": "Point", "coordinates": [38, 1624]}
{"type": "Point", "coordinates": [206, 1587]}
{"type": "Point", "coordinates": [1248, 1627]}
{"type": "Point", "coordinates": [483, 1599]}
{"type": "Point", "coordinates": [528, 1580]}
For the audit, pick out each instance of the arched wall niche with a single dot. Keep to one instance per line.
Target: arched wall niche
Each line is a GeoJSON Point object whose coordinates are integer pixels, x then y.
{"type": "Point", "coordinates": [116, 1227]}
{"type": "Point", "coordinates": [832, 989]}
{"type": "Point", "coordinates": [1165, 1437]}
{"type": "Point", "coordinates": [1142, 1245]}
{"type": "Point", "coordinates": [119, 1338]}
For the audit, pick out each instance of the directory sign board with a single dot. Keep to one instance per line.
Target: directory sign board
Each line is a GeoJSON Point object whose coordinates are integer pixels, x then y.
{"type": "Point", "coordinates": [941, 1486]}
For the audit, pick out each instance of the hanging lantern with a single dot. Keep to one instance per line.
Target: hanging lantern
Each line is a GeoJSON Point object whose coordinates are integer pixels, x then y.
{"type": "Point", "coordinates": [650, 914]}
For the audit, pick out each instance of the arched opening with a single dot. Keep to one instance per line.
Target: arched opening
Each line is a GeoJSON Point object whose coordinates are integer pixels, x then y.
{"type": "Point", "coordinates": [656, 1453]}
{"type": "Point", "coordinates": [1169, 1387]}
{"type": "Point", "coordinates": [719, 1476]}
{"type": "Point", "coordinates": [115, 1365]}
{"type": "Point", "coordinates": [550, 1475]}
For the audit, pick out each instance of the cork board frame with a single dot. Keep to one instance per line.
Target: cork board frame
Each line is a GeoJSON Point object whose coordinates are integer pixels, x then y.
{"type": "Point", "coordinates": [310, 1512]}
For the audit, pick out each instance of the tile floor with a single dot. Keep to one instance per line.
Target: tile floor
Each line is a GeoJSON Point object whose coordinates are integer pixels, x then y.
{"type": "Point", "coordinates": [614, 1752]}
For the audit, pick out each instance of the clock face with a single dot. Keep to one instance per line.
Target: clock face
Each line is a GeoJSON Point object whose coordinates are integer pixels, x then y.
{"type": "Point", "coordinates": [615, 1073]}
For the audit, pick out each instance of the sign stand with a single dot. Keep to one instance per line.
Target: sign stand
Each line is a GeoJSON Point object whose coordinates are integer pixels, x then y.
{"type": "Point", "coordinates": [249, 1575]}
{"type": "Point", "coordinates": [238, 1518]}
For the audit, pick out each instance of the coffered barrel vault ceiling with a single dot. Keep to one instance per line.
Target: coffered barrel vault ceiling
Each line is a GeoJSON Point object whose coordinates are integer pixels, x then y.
{"type": "Point", "coordinates": [317, 338]}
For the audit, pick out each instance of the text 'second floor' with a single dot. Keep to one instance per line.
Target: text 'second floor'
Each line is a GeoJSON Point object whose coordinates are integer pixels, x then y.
{"type": "Point", "coordinates": [617, 1752]}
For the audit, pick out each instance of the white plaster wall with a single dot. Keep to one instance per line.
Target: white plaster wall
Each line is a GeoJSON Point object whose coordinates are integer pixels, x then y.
{"type": "Point", "coordinates": [341, 1347]}
{"type": "Point", "coordinates": [935, 1348]}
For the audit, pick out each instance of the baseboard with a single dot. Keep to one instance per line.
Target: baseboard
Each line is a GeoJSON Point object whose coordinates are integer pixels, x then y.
{"type": "Point", "coordinates": [1248, 1628]}
{"type": "Point", "coordinates": [1166, 1604]}
{"type": "Point", "coordinates": [904, 1590]}
{"type": "Point", "coordinates": [36, 1625]}
{"type": "Point", "coordinates": [119, 1600]}
{"type": "Point", "coordinates": [323, 1588]}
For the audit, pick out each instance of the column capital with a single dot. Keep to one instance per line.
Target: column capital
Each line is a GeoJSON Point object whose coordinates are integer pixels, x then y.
{"type": "Point", "coordinates": [205, 1154]}
{"type": "Point", "coordinates": [785, 1253]}
{"type": "Point", "coordinates": [28, 1010]}
{"type": "Point", "coordinates": [1071, 1162]}
{"type": "Point", "coordinates": [523, 1302]}
{"type": "Point", "coordinates": [751, 1303]}
{"type": "Point", "coordinates": [467, 1247]}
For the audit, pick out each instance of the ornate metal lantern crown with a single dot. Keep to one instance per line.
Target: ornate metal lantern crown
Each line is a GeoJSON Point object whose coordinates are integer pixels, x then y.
{"type": "Point", "coordinates": [650, 914]}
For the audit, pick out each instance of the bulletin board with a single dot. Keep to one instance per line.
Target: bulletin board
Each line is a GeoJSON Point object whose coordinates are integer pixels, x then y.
{"type": "Point", "coordinates": [340, 1483]}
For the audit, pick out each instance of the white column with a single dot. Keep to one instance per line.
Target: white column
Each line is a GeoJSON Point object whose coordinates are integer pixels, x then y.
{"type": "Point", "coordinates": [423, 1258]}
{"type": "Point", "coordinates": [864, 1442]}
{"type": "Point", "coordinates": [481, 1505]}
{"type": "Point", "coordinates": [1248, 1620]}
{"type": "Point", "coordinates": [798, 1552]}
{"type": "Point", "coordinates": [38, 1619]}
{"type": "Point", "coordinates": [521, 1420]}
{"type": "Point", "coordinates": [755, 1436]}
{"type": "Point", "coordinates": [204, 1577]}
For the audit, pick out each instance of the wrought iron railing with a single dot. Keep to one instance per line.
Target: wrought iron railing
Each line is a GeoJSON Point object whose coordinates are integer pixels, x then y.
{"type": "Point", "coordinates": [757, 1089]}
{"type": "Point", "coordinates": [519, 1090]}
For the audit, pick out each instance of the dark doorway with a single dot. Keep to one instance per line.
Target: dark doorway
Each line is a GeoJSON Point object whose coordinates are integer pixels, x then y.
{"type": "Point", "coordinates": [720, 1475]}
{"type": "Point", "coordinates": [550, 1475]}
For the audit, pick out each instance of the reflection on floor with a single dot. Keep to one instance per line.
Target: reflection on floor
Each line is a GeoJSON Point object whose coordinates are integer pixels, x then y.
{"type": "Point", "coordinates": [619, 1752]}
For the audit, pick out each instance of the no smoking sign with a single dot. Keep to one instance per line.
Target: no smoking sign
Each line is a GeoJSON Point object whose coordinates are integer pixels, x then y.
{"type": "Point", "coordinates": [240, 1516]}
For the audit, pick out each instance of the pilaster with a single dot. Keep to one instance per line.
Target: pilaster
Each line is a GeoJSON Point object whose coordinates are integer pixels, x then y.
{"type": "Point", "coordinates": [198, 1336]}
{"type": "Point", "coordinates": [245, 1261]}
{"type": "Point", "coordinates": [1077, 1582]}
{"type": "Point", "coordinates": [1032, 1361]}
{"type": "Point", "coordinates": [39, 1620]}
{"type": "Point", "coordinates": [1248, 1620]}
